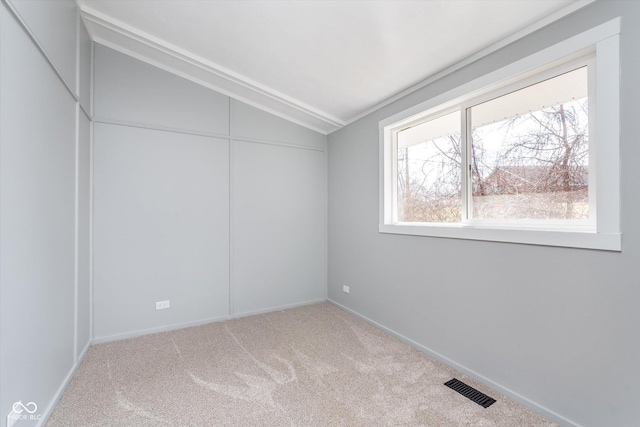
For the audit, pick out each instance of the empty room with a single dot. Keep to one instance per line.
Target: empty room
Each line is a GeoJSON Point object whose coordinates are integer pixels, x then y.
{"type": "Point", "coordinates": [319, 213]}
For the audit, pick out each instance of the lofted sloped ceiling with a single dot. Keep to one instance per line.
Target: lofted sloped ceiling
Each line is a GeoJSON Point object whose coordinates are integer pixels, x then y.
{"type": "Point", "coordinates": [322, 64]}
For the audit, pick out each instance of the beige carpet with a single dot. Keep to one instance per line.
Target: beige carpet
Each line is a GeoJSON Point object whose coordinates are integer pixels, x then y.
{"type": "Point", "coordinates": [308, 366]}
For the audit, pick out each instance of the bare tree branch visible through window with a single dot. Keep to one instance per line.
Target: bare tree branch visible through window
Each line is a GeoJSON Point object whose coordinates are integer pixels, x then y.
{"type": "Point", "coordinates": [531, 166]}
{"type": "Point", "coordinates": [538, 170]}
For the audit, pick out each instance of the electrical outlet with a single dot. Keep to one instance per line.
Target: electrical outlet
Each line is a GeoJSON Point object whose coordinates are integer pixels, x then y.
{"type": "Point", "coordinates": [345, 289]}
{"type": "Point", "coordinates": [161, 305]}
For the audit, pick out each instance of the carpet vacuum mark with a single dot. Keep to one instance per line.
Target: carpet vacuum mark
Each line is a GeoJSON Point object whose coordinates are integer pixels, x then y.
{"type": "Point", "coordinates": [308, 366]}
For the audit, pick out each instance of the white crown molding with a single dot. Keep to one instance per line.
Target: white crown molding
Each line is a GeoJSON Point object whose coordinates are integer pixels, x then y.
{"type": "Point", "coordinates": [119, 36]}
{"type": "Point", "coordinates": [145, 47]}
{"type": "Point", "coordinates": [567, 10]}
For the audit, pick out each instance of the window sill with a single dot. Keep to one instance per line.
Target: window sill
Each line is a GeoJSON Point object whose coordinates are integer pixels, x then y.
{"type": "Point", "coordinates": [569, 239]}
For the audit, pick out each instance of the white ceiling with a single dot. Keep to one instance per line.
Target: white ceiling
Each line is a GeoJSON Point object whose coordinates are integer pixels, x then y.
{"type": "Point", "coordinates": [322, 64]}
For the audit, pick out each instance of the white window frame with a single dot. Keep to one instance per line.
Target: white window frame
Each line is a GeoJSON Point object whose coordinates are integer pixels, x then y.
{"type": "Point", "coordinates": [603, 232]}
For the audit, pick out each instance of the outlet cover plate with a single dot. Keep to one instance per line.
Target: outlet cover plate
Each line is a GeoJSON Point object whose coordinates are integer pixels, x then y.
{"type": "Point", "coordinates": [161, 305]}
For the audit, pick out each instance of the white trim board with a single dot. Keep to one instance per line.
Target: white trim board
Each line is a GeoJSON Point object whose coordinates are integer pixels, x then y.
{"type": "Point", "coordinates": [547, 413]}
{"type": "Point", "coordinates": [119, 36]}
{"type": "Point", "coordinates": [145, 47]}
{"type": "Point", "coordinates": [604, 41]}
{"type": "Point", "coordinates": [571, 8]}
{"type": "Point", "coordinates": [115, 122]}
{"type": "Point", "coordinates": [38, 45]}
{"type": "Point", "coordinates": [56, 398]}
{"type": "Point", "coordinates": [142, 332]}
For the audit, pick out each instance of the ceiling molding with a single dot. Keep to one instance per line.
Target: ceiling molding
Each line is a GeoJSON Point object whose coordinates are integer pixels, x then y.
{"type": "Point", "coordinates": [127, 39]}
{"type": "Point", "coordinates": [571, 8]}
{"type": "Point", "coordinates": [131, 41]}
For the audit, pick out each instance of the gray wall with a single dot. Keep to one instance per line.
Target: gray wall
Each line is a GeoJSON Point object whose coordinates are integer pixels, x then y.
{"type": "Point", "coordinates": [556, 326]}
{"type": "Point", "coordinates": [44, 200]}
{"type": "Point", "coordinates": [200, 200]}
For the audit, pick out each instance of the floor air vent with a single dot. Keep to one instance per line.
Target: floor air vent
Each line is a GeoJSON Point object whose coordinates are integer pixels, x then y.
{"type": "Point", "coordinates": [470, 393]}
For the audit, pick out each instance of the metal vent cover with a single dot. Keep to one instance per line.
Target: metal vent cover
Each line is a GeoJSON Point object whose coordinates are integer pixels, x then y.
{"type": "Point", "coordinates": [470, 393]}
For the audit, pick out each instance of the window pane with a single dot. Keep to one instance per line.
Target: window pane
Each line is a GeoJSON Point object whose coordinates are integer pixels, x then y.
{"type": "Point", "coordinates": [428, 182]}
{"type": "Point", "coordinates": [529, 152]}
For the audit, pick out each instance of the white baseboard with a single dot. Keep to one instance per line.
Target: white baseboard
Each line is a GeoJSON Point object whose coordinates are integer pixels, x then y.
{"type": "Point", "coordinates": [47, 413]}
{"type": "Point", "coordinates": [56, 397]}
{"type": "Point", "coordinates": [138, 333]}
{"type": "Point", "coordinates": [141, 332]}
{"type": "Point", "coordinates": [278, 308]}
{"type": "Point", "coordinates": [549, 414]}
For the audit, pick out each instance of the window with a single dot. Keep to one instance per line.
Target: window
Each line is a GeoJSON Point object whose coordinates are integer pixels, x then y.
{"type": "Point", "coordinates": [528, 154]}
{"type": "Point", "coordinates": [527, 157]}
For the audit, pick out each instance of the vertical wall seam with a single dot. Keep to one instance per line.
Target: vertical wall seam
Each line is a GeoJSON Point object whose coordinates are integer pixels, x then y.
{"type": "Point", "coordinates": [77, 88]}
{"type": "Point", "coordinates": [76, 248]}
{"type": "Point", "coordinates": [76, 227]}
{"type": "Point", "coordinates": [231, 210]}
{"type": "Point", "coordinates": [325, 273]}
{"type": "Point", "coordinates": [91, 170]}
{"type": "Point", "coordinates": [1, 127]}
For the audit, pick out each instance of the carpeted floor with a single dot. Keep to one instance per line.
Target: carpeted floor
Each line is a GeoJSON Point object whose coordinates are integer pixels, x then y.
{"type": "Point", "coordinates": [308, 366]}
